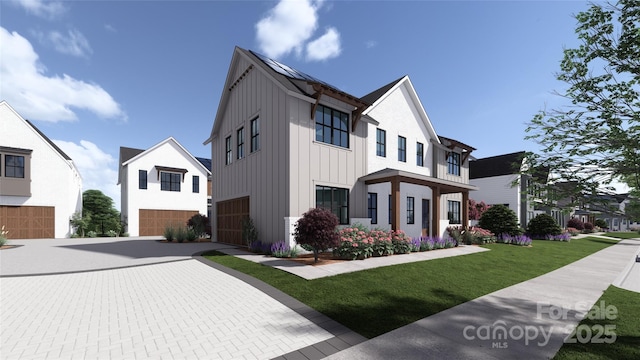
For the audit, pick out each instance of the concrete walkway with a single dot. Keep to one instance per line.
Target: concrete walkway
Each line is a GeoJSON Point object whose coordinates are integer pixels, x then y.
{"type": "Point", "coordinates": [535, 316]}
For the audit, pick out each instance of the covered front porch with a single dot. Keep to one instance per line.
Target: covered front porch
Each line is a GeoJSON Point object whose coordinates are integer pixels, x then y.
{"type": "Point", "coordinates": [438, 187]}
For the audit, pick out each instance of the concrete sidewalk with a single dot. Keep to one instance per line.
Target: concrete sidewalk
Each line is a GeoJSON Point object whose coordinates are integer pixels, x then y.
{"type": "Point", "coordinates": [535, 316]}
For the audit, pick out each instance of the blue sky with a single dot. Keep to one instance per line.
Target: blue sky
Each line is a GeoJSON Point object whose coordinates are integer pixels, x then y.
{"type": "Point", "coordinates": [97, 75]}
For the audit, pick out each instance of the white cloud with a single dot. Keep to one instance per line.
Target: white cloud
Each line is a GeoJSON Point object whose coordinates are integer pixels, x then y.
{"type": "Point", "coordinates": [38, 96]}
{"type": "Point", "coordinates": [110, 28]}
{"type": "Point", "coordinates": [325, 47]}
{"type": "Point", "coordinates": [287, 27]}
{"type": "Point", "coordinates": [371, 44]}
{"type": "Point", "coordinates": [42, 8]}
{"type": "Point", "coordinates": [73, 43]}
{"type": "Point", "coordinates": [98, 169]}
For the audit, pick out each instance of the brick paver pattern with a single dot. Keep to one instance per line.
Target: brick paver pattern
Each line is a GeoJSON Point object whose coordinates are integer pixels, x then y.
{"type": "Point", "coordinates": [178, 310]}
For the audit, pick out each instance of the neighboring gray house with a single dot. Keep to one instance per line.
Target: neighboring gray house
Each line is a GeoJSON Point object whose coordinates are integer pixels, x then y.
{"type": "Point", "coordinates": [283, 142]}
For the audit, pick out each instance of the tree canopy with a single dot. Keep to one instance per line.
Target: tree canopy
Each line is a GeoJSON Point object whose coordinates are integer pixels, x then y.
{"type": "Point", "coordinates": [595, 137]}
{"type": "Point", "coordinates": [101, 214]}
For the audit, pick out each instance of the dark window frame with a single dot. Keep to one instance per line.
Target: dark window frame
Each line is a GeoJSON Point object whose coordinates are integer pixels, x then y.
{"type": "Point", "coordinates": [411, 210]}
{"type": "Point", "coordinates": [228, 150]}
{"type": "Point", "coordinates": [419, 154]}
{"type": "Point", "coordinates": [381, 143]}
{"type": "Point", "coordinates": [336, 195]}
{"type": "Point", "coordinates": [255, 134]}
{"type": "Point", "coordinates": [402, 148]}
{"type": "Point", "coordinates": [143, 180]}
{"type": "Point", "coordinates": [338, 134]}
{"type": "Point", "coordinates": [240, 143]}
{"type": "Point", "coordinates": [453, 212]}
{"type": "Point", "coordinates": [390, 207]}
{"type": "Point", "coordinates": [372, 207]}
{"type": "Point", "coordinates": [170, 181]}
{"type": "Point", "coordinates": [13, 170]}
{"type": "Point", "coordinates": [453, 163]}
{"type": "Point", "coordinates": [195, 184]}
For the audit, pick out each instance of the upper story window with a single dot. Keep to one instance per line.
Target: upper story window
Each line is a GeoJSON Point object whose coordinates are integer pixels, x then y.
{"type": "Point", "coordinates": [170, 181]}
{"type": "Point", "coordinates": [381, 142]}
{"type": "Point", "coordinates": [228, 151]}
{"type": "Point", "coordinates": [420, 154]}
{"type": "Point", "coordinates": [402, 149]}
{"type": "Point", "coordinates": [255, 134]}
{"type": "Point", "coordinates": [240, 142]}
{"type": "Point", "coordinates": [14, 166]}
{"type": "Point", "coordinates": [334, 199]}
{"type": "Point", "coordinates": [142, 179]}
{"type": "Point", "coordinates": [195, 183]}
{"type": "Point", "coordinates": [453, 163]}
{"type": "Point", "coordinates": [332, 126]}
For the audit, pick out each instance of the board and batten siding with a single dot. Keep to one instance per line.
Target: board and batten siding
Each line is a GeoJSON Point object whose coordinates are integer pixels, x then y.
{"type": "Point", "coordinates": [440, 160]}
{"type": "Point", "coordinates": [316, 163]}
{"type": "Point", "coordinates": [263, 174]}
{"type": "Point", "coordinates": [496, 190]}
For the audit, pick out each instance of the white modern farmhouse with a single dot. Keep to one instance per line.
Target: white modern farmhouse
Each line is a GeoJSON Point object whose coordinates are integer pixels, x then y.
{"type": "Point", "coordinates": [40, 187]}
{"type": "Point", "coordinates": [283, 142]}
{"type": "Point", "coordinates": [162, 186]}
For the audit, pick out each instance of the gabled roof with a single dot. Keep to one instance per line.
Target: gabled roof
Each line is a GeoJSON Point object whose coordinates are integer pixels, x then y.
{"type": "Point", "coordinates": [205, 162]}
{"type": "Point", "coordinates": [373, 96]}
{"type": "Point", "coordinates": [507, 164]}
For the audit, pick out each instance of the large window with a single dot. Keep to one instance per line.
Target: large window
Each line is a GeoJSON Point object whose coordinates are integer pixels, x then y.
{"type": "Point", "coordinates": [381, 142]}
{"type": "Point", "coordinates": [402, 149]}
{"type": "Point", "coordinates": [195, 184]}
{"type": "Point", "coordinates": [453, 163]}
{"type": "Point", "coordinates": [240, 143]}
{"type": "Point", "coordinates": [420, 154]}
{"type": "Point", "coordinates": [14, 166]}
{"type": "Point", "coordinates": [170, 181]}
{"type": "Point", "coordinates": [228, 151]}
{"type": "Point", "coordinates": [255, 134]}
{"type": "Point", "coordinates": [411, 210]}
{"type": "Point", "coordinates": [334, 199]}
{"type": "Point", "coordinates": [372, 204]}
{"type": "Point", "coordinates": [332, 126]}
{"type": "Point", "coordinates": [453, 212]}
{"type": "Point", "coordinates": [142, 179]}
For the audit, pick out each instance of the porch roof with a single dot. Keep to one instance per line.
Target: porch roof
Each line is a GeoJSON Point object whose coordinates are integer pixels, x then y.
{"type": "Point", "coordinates": [387, 175]}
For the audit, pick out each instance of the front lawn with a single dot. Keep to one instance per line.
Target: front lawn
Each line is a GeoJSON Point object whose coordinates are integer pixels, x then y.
{"type": "Point", "coordinates": [623, 235]}
{"type": "Point", "coordinates": [590, 339]}
{"type": "Point", "coordinates": [376, 301]}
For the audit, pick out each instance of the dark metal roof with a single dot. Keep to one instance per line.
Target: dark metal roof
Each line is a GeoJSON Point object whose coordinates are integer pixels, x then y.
{"type": "Point", "coordinates": [506, 164]}
{"type": "Point", "coordinates": [127, 154]}
{"type": "Point", "coordinates": [373, 96]}
{"type": "Point", "coordinates": [205, 162]}
{"type": "Point", "coordinates": [64, 155]}
{"type": "Point", "coordinates": [456, 143]}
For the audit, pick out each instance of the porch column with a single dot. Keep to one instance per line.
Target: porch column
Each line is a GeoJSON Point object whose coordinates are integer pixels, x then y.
{"type": "Point", "coordinates": [435, 218]}
{"type": "Point", "coordinates": [395, 201]}
{"type": "Point", "coordinates": [465, 209]}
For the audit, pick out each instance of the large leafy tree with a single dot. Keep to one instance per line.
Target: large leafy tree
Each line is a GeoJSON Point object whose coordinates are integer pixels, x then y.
{"type": "Point", "coordinates": [595, 137]}
{"type": "Point", "coordinates": [100, 211]}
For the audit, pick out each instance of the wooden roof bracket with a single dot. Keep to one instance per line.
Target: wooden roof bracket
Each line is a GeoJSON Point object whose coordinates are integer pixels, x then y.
{"type": "Point", "coordinates": [356, 115]}
{"type": "Point", "coordinates": [465, 156]}
{"type": "Point", "coordinates": [317, 95]}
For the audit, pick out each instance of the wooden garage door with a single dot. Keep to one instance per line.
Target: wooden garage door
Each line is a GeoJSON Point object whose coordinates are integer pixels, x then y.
{"type": "Point", "coordinates": [230, 215]}
{"type": "Point", "coordinates": [29, 222]}
{"type": "Point", "coordinates": [154, 222]}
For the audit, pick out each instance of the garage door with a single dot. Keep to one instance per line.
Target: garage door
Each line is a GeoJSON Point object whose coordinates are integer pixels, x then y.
{"type": "Point", "coordinates": [29, 222]}
{"type": "Point", "coordinates": [230, 215]}
{"type": "Point", "coordinates": [154, 222]}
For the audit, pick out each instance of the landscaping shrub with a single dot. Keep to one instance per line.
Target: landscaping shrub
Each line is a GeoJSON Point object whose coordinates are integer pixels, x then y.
{"type": "Point", "coordinates": [259, 247]}
{"type": "Point", "coordinates": [601, 223]}
{"type": "Point", "coordinates": [355, 243]}
{"type": "Point", "coordinates": [588, 226]}
{"type": "Point", "coordinates": [317, 228]}
{"type": "Point", "coordinates": [192, 234]}
{"type": "Point", "coordinates": [401, 242]}
{"type": "Point", "coordinates": [112, 233]}
{"type": "Point", "coordinates": [478, 236]}
{"type": "Point", "coordinates": [499, 219]}
{"type": "Point", "coordinates": [281, 249]}
{"type": "Point", "coordinates": [566, 236]}
{"type": "Point", "coordinates": [521, 240]}
{"type": "Point", "coordinates": [543, 225]}
{"type": "Point", "coordinates": [249, 232]}
{"type": "Point", "coordinates": [169, 233]}
{"type": "Point", "coordinates": [200, 225]}
{"type": "Point", "coordinates": [3, 236]}
{"type": "Point", "coordinates": [573, 231]}
{"type": "Point", "coordinates": [455, 232]}
{"type": "Point", "coordinates": [92, 234]}
{"type": "Point", "coordinates": [382, 244]}
{"type": "Point", "coordinates": [575, 223]}
{"type": "Point", "coordinates": [181, 234]}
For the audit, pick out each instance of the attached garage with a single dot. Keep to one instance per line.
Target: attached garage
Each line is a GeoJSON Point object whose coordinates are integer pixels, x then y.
{"type": "Point", "coordinates": [28, 222]}
{"type": "Point", "coordinates": [230, 215]}
{"type": "Point", "coordinates": [154, 222]}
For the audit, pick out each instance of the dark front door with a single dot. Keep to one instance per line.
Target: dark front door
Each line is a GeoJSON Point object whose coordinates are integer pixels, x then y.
{"type": "Point", "coordinates": [425, 216]}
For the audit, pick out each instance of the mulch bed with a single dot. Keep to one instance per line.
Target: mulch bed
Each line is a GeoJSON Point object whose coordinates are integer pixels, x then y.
{"type": "Point", "coordinates": [7, 247]}
{"type": "Point", "coordinates": [185, 242]}
{"type": "Point", "coordinates": [324, 258]}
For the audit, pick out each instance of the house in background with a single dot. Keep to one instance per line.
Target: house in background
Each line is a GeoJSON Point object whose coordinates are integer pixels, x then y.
{"type": "Point", "coordinates": [500, 183]}
{"type": "Point", "coordinates": [161, 186]}
{"type": "Point", "coordinates": [284, 142]}
{"type": "Point", "coordinates": [40, 186]}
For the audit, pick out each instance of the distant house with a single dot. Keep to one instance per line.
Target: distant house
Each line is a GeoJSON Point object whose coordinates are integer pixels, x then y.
{"type": "Point", "coordinates": [162, 186]}
{"type": "Point", "coordinates": [40, 187]}
{"type": "Point", "coordinates": [284, 142]}
{"type": "Point", "coordinates": [499, 182]}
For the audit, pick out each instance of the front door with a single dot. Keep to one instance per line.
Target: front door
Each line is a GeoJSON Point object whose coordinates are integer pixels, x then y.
{"type": "Point", "coordinates": [425, 217]}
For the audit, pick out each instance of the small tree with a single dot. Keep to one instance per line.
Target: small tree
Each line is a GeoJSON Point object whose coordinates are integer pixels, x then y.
{"type": "Point", "coordinates": [543, 225]}
{"type": "Point", "coordinates": [601, 224]}
{"type": "Point", "coordinates": [80, 223]}
{"type": "Point", "coordinates": [199, 224]}
{"type": "Point", "coordinates": [477, 209]}
{"type": "Point", "coordinates": [499, 219]}
{"type": "Point", "coordinates": [317, 229]}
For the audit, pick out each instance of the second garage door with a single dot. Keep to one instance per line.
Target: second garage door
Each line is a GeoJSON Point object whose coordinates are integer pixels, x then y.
{"type": "Point", "coordinates": [154, 222]}
{"type": "Point", "coordinates": [230, 215]}
{"type": "Point", "coordinates": [28, 222]}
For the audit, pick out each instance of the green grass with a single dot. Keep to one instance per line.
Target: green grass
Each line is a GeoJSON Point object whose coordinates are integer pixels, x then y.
{"type": "Point", "coordinates": [376, 301]}
{"type": "Point", "coordinates": [623, 235]}
{"type": "Point", "coordinates": [627, 330]}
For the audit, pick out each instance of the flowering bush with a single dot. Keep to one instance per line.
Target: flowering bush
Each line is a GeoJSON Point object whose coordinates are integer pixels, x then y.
{"type": "Point", "coordinates": [401, 242]}
{"type": "Point", "coordinates": [575, 223]}
{"type": "Point", "coordinates": [521, 240]}
{"type": "Point", "coordinates": [281, 249]}
{"type": "Point", "coordinates": [355, 243]}
{"type": "Point", "coordinates": [478, 235]}
{"type": "Point", "coordinates": [566, 236]}
{"type": "Point", "coordinates": [573, 231]}
{"type": "Point", "coordinates": [382, 244]}
{"type": "Point", "coordinates": [258, 246]}
{"type": "Point", "coordinates": [455, 232]}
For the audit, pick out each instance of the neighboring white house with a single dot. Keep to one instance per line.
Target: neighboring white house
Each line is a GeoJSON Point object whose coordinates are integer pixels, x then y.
{"type": "Point", "coordinates": [40, 187]}
{"type": "Point", "coordinates": [284, 142]}
{"type": "Point", "coordinates": [161, 186]}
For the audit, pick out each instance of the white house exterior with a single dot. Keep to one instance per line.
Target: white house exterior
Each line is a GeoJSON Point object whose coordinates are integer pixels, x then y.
{"type": "Point", "coordinates": [40, 187]}
{"type": "Point", "coordinates": [283, 142]}
{"type": "Point", "coordinates": [161, 186]}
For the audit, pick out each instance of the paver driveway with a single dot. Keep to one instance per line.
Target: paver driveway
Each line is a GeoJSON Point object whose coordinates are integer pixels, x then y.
{"type": "Point", "coordinates": [161, 306]}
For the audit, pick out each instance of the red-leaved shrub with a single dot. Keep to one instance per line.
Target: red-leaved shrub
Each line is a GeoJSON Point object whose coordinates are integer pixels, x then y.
{"type": "Point", "coordinates": [588, 226]}
{"type": "Point", "coordinates": [575, 223]}
{"type": "Point", "coordinates": [317, 229]}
